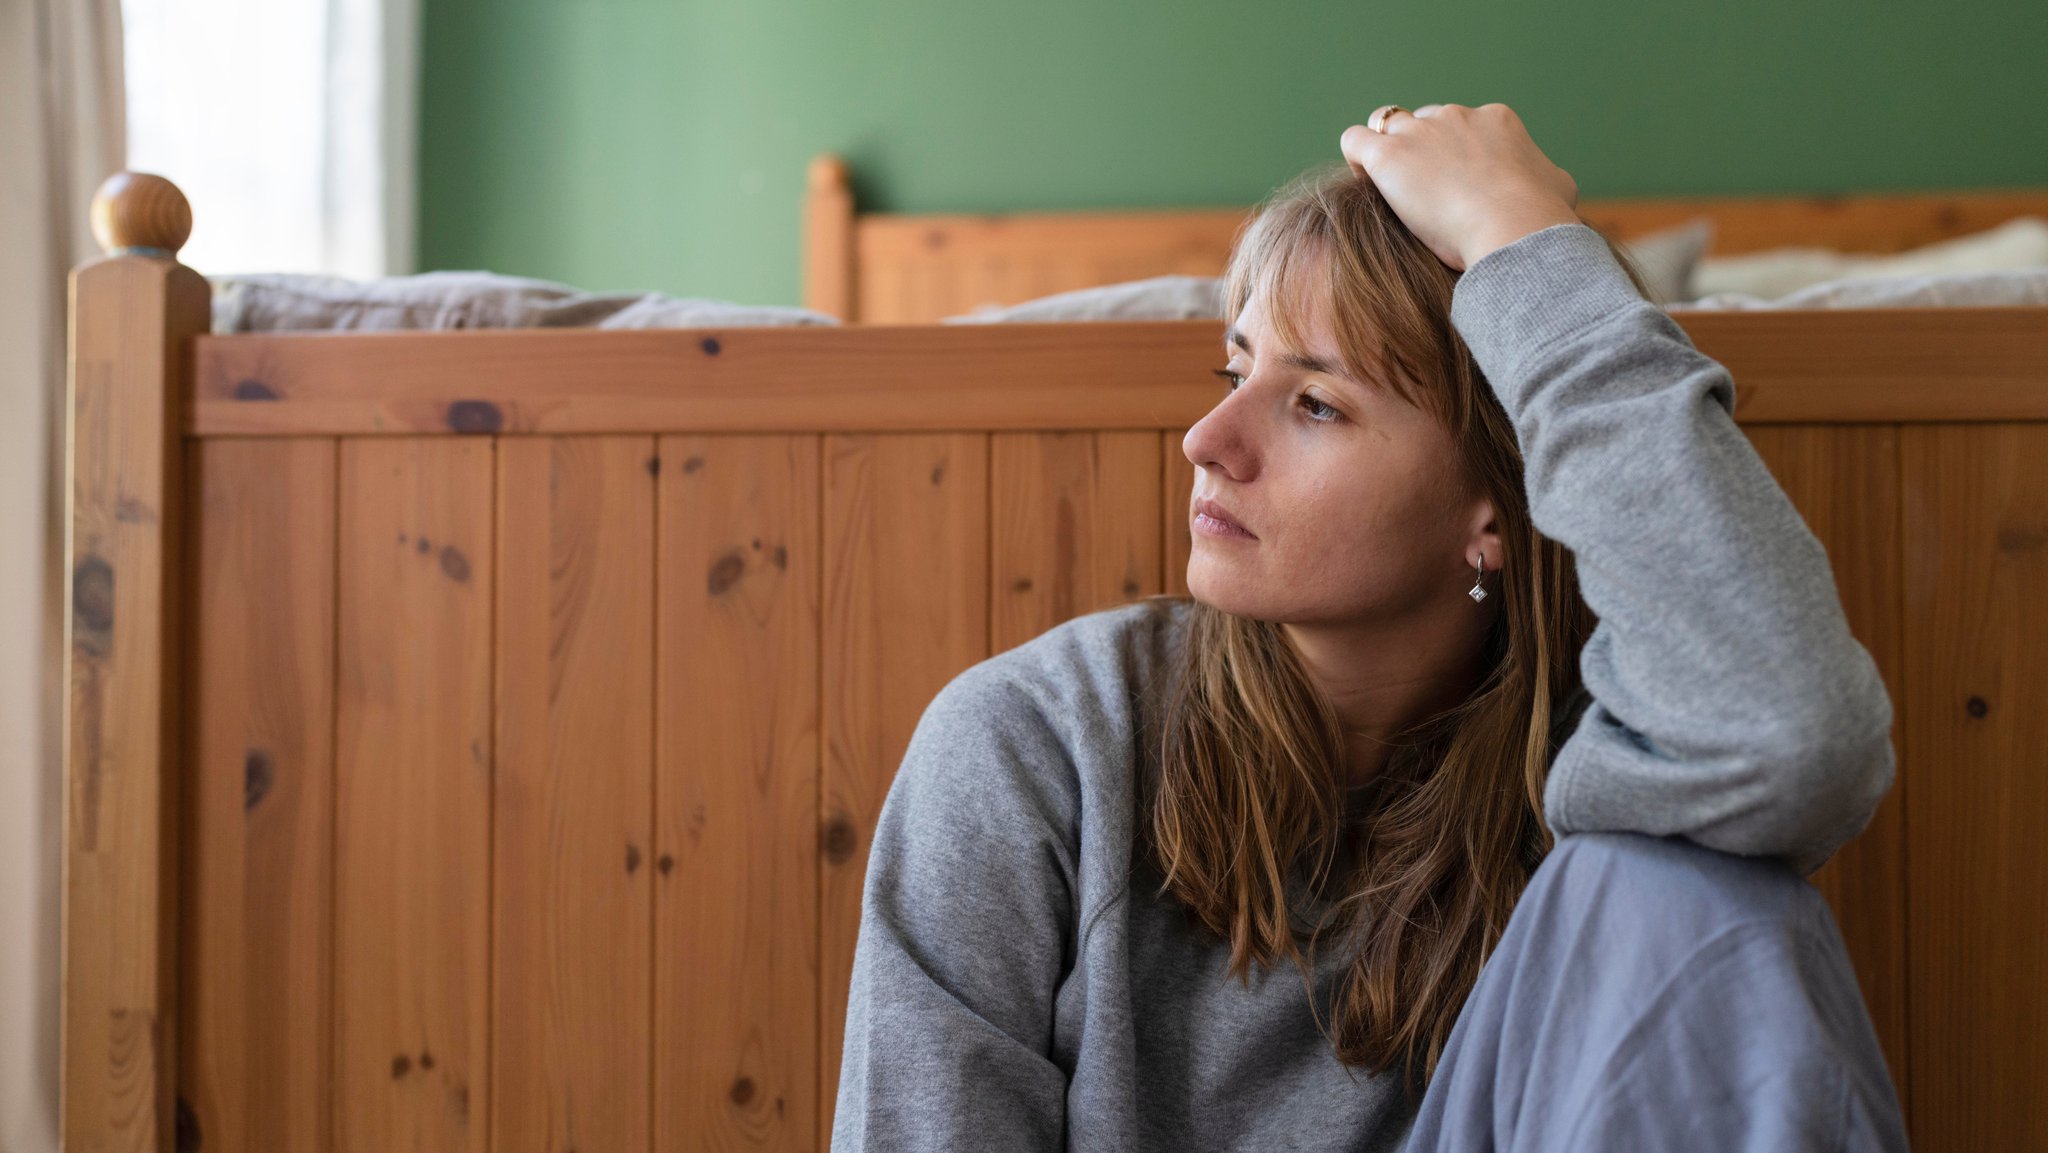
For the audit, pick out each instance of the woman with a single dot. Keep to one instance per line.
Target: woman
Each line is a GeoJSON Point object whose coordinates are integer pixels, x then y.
{"type": "Point", "coordinates": [1106, 848]}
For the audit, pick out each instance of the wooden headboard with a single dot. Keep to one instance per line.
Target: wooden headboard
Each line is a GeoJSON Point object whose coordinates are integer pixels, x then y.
{"type": "Point", "coordinates": [914, 268]}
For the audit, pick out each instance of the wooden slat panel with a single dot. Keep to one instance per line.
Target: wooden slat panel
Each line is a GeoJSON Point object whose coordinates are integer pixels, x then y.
{"type": "Point", "coordinates": [257, 927]}
{"type": "Point", "coordinates": [737, 795]}
{"type": "Point", "coordinates": [1976, 533]}
{"type": "Point", "coordinates": [1177, 492]}
{"type": "Point", "coordinates": [413, 796]}
{"type": "Point", "coordinates": [1850, 365]}
{"type": "Point", "coordinates": [572, 835]}
{"type": "Point", "coordinates": [1845, 483]}
{"type": "Point", "coordinates": [1076, 527]}
{"type": "Point", "coordinates": [905, 610]}
{"type": "Point", "coordinates": [132, 320]}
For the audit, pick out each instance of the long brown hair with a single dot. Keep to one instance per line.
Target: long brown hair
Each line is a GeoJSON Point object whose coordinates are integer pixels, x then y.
{"type": "Point", "coordinates": [1243, 813]}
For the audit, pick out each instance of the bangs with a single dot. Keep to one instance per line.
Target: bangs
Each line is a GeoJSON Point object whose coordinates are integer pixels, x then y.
{"type": "Point", "coordinates": [1327, 244]}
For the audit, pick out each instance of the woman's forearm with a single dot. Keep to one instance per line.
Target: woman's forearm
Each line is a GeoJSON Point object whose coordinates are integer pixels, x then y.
{"type": "Point", "coordinates": [1730, 703]}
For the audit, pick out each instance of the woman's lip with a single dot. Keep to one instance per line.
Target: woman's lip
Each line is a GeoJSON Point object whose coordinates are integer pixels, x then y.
{"type": "Point", "coordinates": [1211, 526]}
{"type": "Point", "coordinates": [1212, 519]}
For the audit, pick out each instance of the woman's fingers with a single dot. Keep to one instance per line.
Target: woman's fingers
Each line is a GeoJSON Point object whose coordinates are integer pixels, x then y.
{"type": "Point", "coordinates": [1464, 180]}
{"type": "Point", "coordinates": [1361, 147]}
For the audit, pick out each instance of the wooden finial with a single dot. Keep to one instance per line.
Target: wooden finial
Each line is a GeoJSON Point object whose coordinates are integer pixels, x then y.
{"type": "Point", "coordinates": [135, 210]}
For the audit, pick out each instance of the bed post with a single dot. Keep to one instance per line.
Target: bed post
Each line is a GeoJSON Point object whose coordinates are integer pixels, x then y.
{"type": "Point", "coordinates": [828, 239]}
{"type": "Point", "coordinates": [134, 313]}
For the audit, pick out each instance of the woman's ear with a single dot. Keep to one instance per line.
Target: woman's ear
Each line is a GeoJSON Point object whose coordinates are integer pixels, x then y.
{"type": "Point", "coordinates": [1483, 537]}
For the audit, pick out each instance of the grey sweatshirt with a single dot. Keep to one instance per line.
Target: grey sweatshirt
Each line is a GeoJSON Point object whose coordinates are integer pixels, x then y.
{"type": "Point", "coordinates": [1017, 985]}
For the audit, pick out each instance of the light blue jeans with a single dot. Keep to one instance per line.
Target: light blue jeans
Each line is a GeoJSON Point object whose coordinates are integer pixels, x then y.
{"type": "Point", "coordinates": [1650, 994]}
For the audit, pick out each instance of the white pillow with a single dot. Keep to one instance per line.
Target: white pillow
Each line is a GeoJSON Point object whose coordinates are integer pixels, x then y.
{"type": "Point", "coordinates": [281, 302]}
{"type": "Point", "coordinates": [1667, 258]}
{"type": "Point", "coordinates": [2020, 288]}
{"type": "Point", "coordinates": [1159, 298]}
{"type": "Point", "coordinates": [2018, 243]}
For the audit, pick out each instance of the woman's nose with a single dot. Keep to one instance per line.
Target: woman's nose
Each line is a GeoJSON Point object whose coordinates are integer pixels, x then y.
{"type": "Point", "coordinates": [1218, 440]}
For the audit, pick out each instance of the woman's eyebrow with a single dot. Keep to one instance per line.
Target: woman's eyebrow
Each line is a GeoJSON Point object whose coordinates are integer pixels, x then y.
{"type": "Point", "coordinates": [1292, 359]}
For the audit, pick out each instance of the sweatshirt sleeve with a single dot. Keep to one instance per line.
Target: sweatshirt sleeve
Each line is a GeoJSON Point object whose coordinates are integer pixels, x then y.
{"type": "Point", "coordinates": [1729, 703]}
{"type": "Point", "coordinates": [966, 932]}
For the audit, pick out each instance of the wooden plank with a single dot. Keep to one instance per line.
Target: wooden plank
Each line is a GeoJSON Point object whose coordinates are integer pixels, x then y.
{"type": "Point", "coordinates": [1845, 483]}
{"type": "Point", "coordinates": [914, 268]}
{"type": "Point", "coordinates": [780, 380]}
{"type": "Point", "coordinates": [572, 836]}
{"type": "Point", "coordinates": [905, 610]}
{"type": "Point", "coordinates": [922, 268]}
{"type": "Point", "coordinates": [413, 796]}
{"type": "Point", "coordinates": [1177, 486]}
{"type": "Point", "coordinates": [1869, 222]}
{"type": "Point", "coordinates": [736, 990]}
{"type": "Point", "coordinates": [256, 933]}
{"type": "Point", "coordinates": [132, 320]}
{"type": "Point", "coordinates": [1850, 365]}
{"type": "Point", "coordinates": [1076, 527]}
{"type": "Point", "coordinates": [1976, 536]}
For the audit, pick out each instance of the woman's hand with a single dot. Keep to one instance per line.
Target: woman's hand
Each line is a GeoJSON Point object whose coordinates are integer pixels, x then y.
{"type": "Point", "coordinates": [1465, 180]}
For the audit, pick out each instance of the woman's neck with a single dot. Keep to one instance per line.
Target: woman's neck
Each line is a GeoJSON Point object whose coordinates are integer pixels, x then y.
{"type": "Point", "coordinates": [1383, 680]}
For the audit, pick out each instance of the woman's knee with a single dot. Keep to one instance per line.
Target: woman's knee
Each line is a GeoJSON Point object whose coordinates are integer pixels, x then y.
{"type": "Point", "coordinates": [1669, 885]}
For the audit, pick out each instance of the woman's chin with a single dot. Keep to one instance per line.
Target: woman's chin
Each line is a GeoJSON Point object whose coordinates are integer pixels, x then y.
{"type": "Point", "coordinates": [1214, 585]}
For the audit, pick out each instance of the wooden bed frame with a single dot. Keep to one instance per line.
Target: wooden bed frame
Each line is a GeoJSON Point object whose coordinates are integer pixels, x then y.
{"type": "Point", "coordinates": [909, 268]}
{"type": "Point", "coordinates": [472, 738]}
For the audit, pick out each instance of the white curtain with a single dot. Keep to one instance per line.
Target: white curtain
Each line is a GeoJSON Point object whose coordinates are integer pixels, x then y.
{"type": "Point", "coordinates": [289, 124]}
{"type": "Point", "coordinates": [60, 135]}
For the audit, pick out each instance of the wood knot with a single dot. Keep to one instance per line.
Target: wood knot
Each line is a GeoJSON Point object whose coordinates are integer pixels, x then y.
{"type": "Point", "coordinates": [400, 1066]}
{"type": "Point", "coordinates": [667, 864]}
{"type": "Point", "coordinates": [254, 390]}
{"type": "Point", "coordinates": [454, 564]}
{"type": "Point", "coordinates": [692, 464]}
{"type": "Point", "coordinates": [257, 776]}
{"type": "Point", "coordinates": [475, 416]}
{"type": "Point", "coordinates": [711, 346]}
{"type": "Point", "coordinates": [1978, 706]}
{"type": "Point", "coordinates": [186, 1135]}
{"type": "Point", "coordinates": [838, 840]}
{"type": "Point", "coordinates": [938, 472]}
{"type": "Point", "coordinates": [653, 466]}
{"type": "Point", "coordinates": [743, 1090]}
{"type": "Point", "coordinates": [632, 859]}
{"type": "Point", "coordinates": [2020, 538]}
{"type": "Point", "coordinates": [92, 605]}
{"type": "Point", "coordinates": [1021, 585]}
{"type": "Point", "coordinates": [1130, 588]}
{"type": "Point", "coordinates": [726, 572]}
{"type": "Point", "coordinates": [426, 1060]}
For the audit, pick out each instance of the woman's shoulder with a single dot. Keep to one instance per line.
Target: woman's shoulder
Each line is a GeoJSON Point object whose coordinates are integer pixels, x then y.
{"type": "Point", "coordinates": [1080, 664]}
{"type": "Point", "coordinates": [1078, 692]}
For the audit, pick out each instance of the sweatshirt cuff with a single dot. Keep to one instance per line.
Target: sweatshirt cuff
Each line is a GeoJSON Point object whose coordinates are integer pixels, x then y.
{"type": "Point", "coordinates": [1515, 301]}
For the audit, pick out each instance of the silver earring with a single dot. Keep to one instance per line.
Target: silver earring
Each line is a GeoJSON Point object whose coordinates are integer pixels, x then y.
{"type": "Point", "coordinates": [1477, 592]}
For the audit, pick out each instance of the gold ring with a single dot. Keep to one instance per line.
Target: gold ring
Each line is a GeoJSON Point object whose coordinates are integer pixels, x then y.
{"type": "Point", "coordinates": [1378, 120]}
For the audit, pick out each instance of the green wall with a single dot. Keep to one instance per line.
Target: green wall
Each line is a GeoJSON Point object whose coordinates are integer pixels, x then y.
{"type": "Point", "coordinates": [662, 144]}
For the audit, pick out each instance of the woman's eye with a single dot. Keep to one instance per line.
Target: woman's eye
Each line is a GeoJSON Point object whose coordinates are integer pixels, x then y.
{"type": "Point", "coordinates": [1230, 378]}
{"type": "Point", "coordinates": [1316, 409]}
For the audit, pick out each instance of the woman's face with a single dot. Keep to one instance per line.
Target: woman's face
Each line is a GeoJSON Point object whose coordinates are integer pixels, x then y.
{"type": "Point", "coordinates": [1351, 500]}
